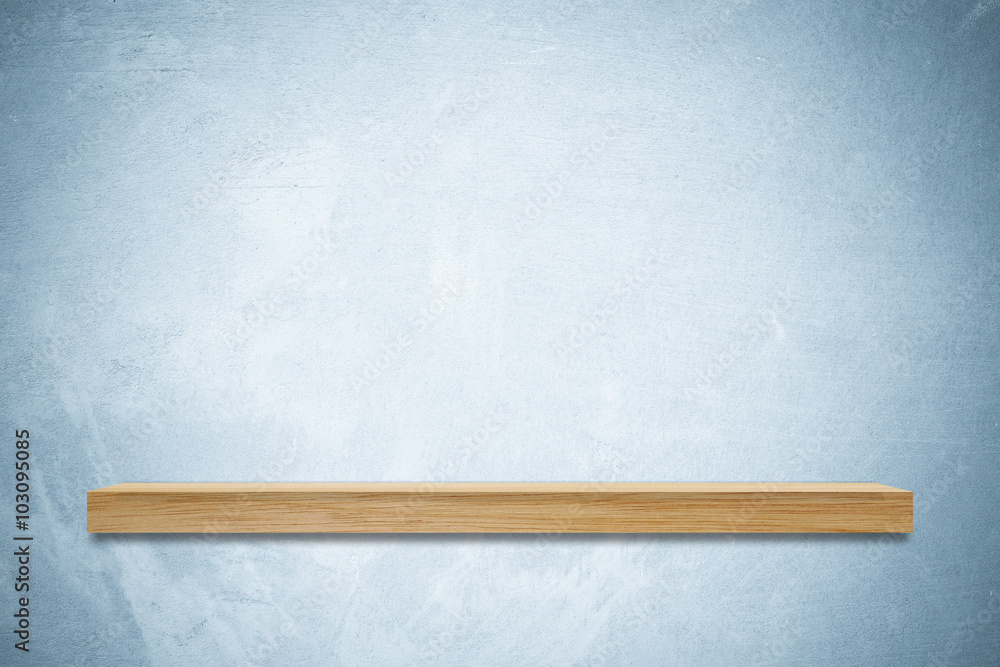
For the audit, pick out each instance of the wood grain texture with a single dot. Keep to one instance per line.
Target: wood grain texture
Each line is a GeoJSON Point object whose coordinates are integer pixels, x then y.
{"type": "Point", "coordinates": [499, 508]}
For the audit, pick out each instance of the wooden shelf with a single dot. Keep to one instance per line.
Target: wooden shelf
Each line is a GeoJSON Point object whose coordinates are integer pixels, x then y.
{"type": "Point", "coordinates": [500, 508]}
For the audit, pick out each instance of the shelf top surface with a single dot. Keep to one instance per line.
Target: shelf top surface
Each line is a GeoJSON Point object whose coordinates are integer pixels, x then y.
{"type": "Point", "coordinates": [497, 487]}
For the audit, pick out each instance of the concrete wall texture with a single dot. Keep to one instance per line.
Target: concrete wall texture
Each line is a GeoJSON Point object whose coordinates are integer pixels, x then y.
{"type": "Point", "coordinates": [568, 240]}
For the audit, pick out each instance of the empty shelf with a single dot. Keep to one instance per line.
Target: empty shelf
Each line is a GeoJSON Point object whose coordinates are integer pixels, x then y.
{"type": "Point", "coordinates": [389, 507]}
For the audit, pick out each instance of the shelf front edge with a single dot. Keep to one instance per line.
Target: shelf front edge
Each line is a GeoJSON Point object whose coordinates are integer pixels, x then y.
{"type": "Point", "coordinates": [500, 508]}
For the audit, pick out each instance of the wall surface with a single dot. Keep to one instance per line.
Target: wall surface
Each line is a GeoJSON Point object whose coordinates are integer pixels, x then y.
{"type": "Point", "coordinates": [568, 240]}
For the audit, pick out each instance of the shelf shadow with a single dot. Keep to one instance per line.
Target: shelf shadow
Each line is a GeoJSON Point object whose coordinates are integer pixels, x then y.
{"type": "Point", "coordinates": [542, 540]}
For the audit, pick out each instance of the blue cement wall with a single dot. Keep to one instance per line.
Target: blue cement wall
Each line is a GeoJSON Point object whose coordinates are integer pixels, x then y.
{"type": "Point", "coordinates": [722, 241]}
